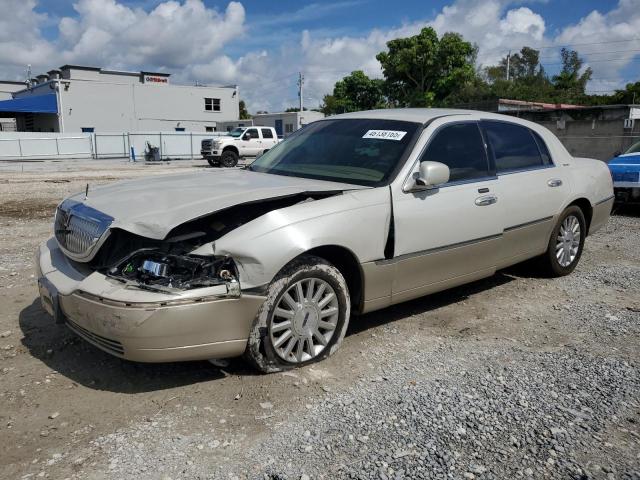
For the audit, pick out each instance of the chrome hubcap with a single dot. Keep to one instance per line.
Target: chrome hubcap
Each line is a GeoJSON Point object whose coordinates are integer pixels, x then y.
{"type": "Point", "coordinates": [568, 241]}
{"type": "Point", "coordinates": [304, 320]}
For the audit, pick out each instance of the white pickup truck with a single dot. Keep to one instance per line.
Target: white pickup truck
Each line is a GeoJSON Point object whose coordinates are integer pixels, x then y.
{"type": "Point", "coordinates": [239, 143]}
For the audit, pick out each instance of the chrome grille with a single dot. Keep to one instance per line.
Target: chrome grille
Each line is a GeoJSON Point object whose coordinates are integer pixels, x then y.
{"type": "Point", "coordinates": [78, 228]}
{"type": "Point", "coordinates": [206, 144]}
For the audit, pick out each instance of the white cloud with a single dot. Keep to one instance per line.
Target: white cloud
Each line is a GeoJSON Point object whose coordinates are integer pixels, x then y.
{"type": "Point", "coordinates": [191, 41]}
{"type": "Point", "coordinates": [609, 58]}
{"type": "Point", "coordinates": [483, 22]}
{"type": "Point", "coordinates": [20, 40]}
{"type": "Point", "coordinates": [171, 35]}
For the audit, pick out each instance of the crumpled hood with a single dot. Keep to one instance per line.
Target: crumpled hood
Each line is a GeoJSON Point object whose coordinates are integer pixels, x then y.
{"type": "Point", "coordinates": [153, 206]}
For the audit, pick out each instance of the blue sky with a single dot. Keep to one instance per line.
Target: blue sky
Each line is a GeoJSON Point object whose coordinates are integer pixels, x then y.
{"type": "Point", "coordinates": [262, 45]}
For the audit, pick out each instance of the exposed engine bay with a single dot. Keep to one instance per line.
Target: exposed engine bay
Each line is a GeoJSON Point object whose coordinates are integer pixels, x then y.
{"type": "Point", "coordinates": [166, 264]}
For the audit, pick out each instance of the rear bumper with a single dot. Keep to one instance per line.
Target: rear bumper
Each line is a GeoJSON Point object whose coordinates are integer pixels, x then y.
{"type": "Point", "coordinates": [601, 213]}
{"type": "Point", "coordinates": [140, 325]}
{"type": "Point", "coordinates": [627, 194]}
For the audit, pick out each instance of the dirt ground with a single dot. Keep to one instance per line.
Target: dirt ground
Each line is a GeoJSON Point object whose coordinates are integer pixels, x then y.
{"type": "Point", "coordinates": [60, 397]}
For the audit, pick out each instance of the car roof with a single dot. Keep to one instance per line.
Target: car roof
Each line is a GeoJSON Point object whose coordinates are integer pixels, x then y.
{"type": "Point", "coordinates": [424, 115]}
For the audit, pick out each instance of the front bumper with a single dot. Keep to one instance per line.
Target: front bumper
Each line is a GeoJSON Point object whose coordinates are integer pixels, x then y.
{"type": "Point", "coordinates": [139, 325]}
{"type": "Point", "coordinates": [209, 153]}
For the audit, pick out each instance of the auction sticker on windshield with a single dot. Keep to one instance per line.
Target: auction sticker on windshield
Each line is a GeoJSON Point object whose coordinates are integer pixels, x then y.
{"type": "Point", "coordinates": [385, 134]}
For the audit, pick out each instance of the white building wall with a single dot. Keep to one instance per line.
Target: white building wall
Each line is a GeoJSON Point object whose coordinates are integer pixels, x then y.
{"type": "Point", "coordinates": [163, 107]}
{"type": "Point", "coordinates": [8, 88]}
{"type": "Point", "coordinates": [295, 120]}
{"type": "Point", "coordinates": [119, 102]}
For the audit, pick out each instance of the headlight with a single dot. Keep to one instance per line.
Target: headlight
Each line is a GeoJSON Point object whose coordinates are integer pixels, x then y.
{"type": "Point", "coordinates": [184, 272]}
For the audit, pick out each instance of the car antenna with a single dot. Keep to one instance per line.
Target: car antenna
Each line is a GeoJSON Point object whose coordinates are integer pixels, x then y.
{"type": "Point", "coordinates": [86, 192]}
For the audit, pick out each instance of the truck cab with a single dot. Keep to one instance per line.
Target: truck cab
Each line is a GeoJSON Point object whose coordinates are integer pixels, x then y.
{"type": "Point", "coordinates": [242, 142]}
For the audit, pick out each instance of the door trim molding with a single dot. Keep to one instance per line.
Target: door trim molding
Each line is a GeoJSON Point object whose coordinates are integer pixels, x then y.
{"type": "Point", "coordinates": [465, 243]}
{"type": "Point", "coordinates": [437, 249]}
{"type": "Point", "coordinates": [527, 224]}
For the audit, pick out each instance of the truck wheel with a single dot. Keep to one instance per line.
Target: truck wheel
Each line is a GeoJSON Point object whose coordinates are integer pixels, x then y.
{"type": "Point", "coordinates": [229, 158]}
{"type": "Point", "coordinates": [304, 318]}
{"type": "Point", "coordinates": [212, 162]}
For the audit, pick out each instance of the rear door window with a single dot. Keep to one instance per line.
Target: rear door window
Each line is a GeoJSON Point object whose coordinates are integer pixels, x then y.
{"type": "Point", "coordinates": [267, 133]}
{"type": "Point", "coordinates": [514, 147]}
{"type": "Point", "coordinates": [460, 147]}
{"type": "Point", "coordinates": [544, 151]}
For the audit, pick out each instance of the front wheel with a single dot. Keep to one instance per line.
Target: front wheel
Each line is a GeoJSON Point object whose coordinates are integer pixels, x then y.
{"type": "Point", "coordinates": [304, 318]}
{"type": "Point", "coordinates": [229, 158]}
{"type": "Point", "coordinates": [566, 243]}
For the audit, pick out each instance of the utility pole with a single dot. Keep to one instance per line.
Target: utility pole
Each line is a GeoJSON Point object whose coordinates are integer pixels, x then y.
{"type": "Point", "coordinates": [508, 64]}
{"type": "Point", "coordinates": [300, 83]}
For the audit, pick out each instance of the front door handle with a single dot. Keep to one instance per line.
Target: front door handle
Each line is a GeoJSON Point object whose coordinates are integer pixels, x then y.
{"type": "Point", "coordinates": [554, 182]}
{"type": "Point", "coordinates": [485, 200]}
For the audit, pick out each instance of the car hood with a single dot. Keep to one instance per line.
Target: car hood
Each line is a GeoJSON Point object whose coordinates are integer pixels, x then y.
{"type": "Point", "coordinates": [153, 206]}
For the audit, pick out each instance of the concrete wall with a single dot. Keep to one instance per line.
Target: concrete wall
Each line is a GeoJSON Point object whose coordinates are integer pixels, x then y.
{"type": "Point", "coordinates": [593, 132]}
{"type": "Point", "coordinates": [584, 139]}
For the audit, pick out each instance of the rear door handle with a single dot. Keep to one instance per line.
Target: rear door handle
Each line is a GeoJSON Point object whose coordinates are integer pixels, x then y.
{"type": "Point", "coordinates": [485, 200]}
{"type": "Point", "coordinates": [554, 182]}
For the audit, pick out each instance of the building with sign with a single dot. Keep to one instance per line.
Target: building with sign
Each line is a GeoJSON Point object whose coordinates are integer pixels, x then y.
{"type": "Point", "coordinates": [76, 98]}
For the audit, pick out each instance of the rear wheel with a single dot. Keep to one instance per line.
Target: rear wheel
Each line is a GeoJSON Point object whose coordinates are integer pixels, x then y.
{"type": "Point", "coordinates": [229, 158]}
{"type": "Point", "coordinates": [304, 318]}
{"type": "Point", "coordinates": [565, 245]}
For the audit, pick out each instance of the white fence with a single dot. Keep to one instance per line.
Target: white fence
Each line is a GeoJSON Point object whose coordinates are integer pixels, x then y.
{"type": "Point", "coordinates": [19, 145]}
{"type": "Point", "coordinates": [27, 145]}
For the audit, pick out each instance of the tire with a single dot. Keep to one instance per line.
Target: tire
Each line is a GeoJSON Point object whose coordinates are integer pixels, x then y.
{"type": "Point", "coordinates": [562, 256]}
{"type": "Point", "coordinates": [270, 336]}
{"type": "Point", "coordinates": [229, 159]}
{"type": "Point", "coordinates": [212, 162]}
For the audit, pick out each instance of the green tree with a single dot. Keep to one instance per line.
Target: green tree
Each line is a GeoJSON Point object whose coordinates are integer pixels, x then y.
{"type": "Point", "coordinates": [423, 70]}
{"type": "Point", "coordinates": [244, 114]}
{"type": "Point", "coordinates": [354, 92]}
{"type": "Point", "coordinates": [524, 65]}
{"type": "Point", "coordinates": [529, 81]}
{"type": "Point", "coordinates": [630, 94]}
{"type": "Point", "coordinates": [570, 84]}
{"type": "Point", "coordinates": [527, 78]}
{"type": "Point", "coordinates": [330, 105]}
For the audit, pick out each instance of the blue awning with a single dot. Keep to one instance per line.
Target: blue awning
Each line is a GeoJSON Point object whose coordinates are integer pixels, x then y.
{"type": "Point", "coordinates": [32, 104]}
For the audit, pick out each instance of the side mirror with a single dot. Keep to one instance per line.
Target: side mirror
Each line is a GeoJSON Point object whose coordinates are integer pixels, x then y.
{"type": "Point", "coordinates": [430, 175]}
{"type": "Point", "coordinates": [246, 136]}
{"type": "Point", "coordinates": [617, 153]}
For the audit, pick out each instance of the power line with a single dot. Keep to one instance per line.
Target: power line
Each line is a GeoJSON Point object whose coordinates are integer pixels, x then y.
{"type": "Point", "coordinates": [546, 47]}
{"type": "Point", "coordinates": [594, 53]}
{"type": "Point", "coordinates": [601, 61]}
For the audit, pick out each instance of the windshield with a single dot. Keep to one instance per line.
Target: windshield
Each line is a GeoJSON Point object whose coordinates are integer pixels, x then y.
{"type": "Point", "coordinates": [237, 132]}
{"type": "Point", "coordinates": [360, 151]}
{"type": "Point", "coordinates": [635, 148]}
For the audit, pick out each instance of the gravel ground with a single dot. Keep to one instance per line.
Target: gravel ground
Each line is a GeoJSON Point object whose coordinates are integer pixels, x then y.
{"type": "Point", "coordinates": [511, 377]}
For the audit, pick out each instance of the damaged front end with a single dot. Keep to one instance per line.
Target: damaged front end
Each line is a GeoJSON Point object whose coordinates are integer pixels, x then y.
{"type": "Point", "coordinates": [153, 269]}
{"type": "Point", "coordinates": [170, 265]}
